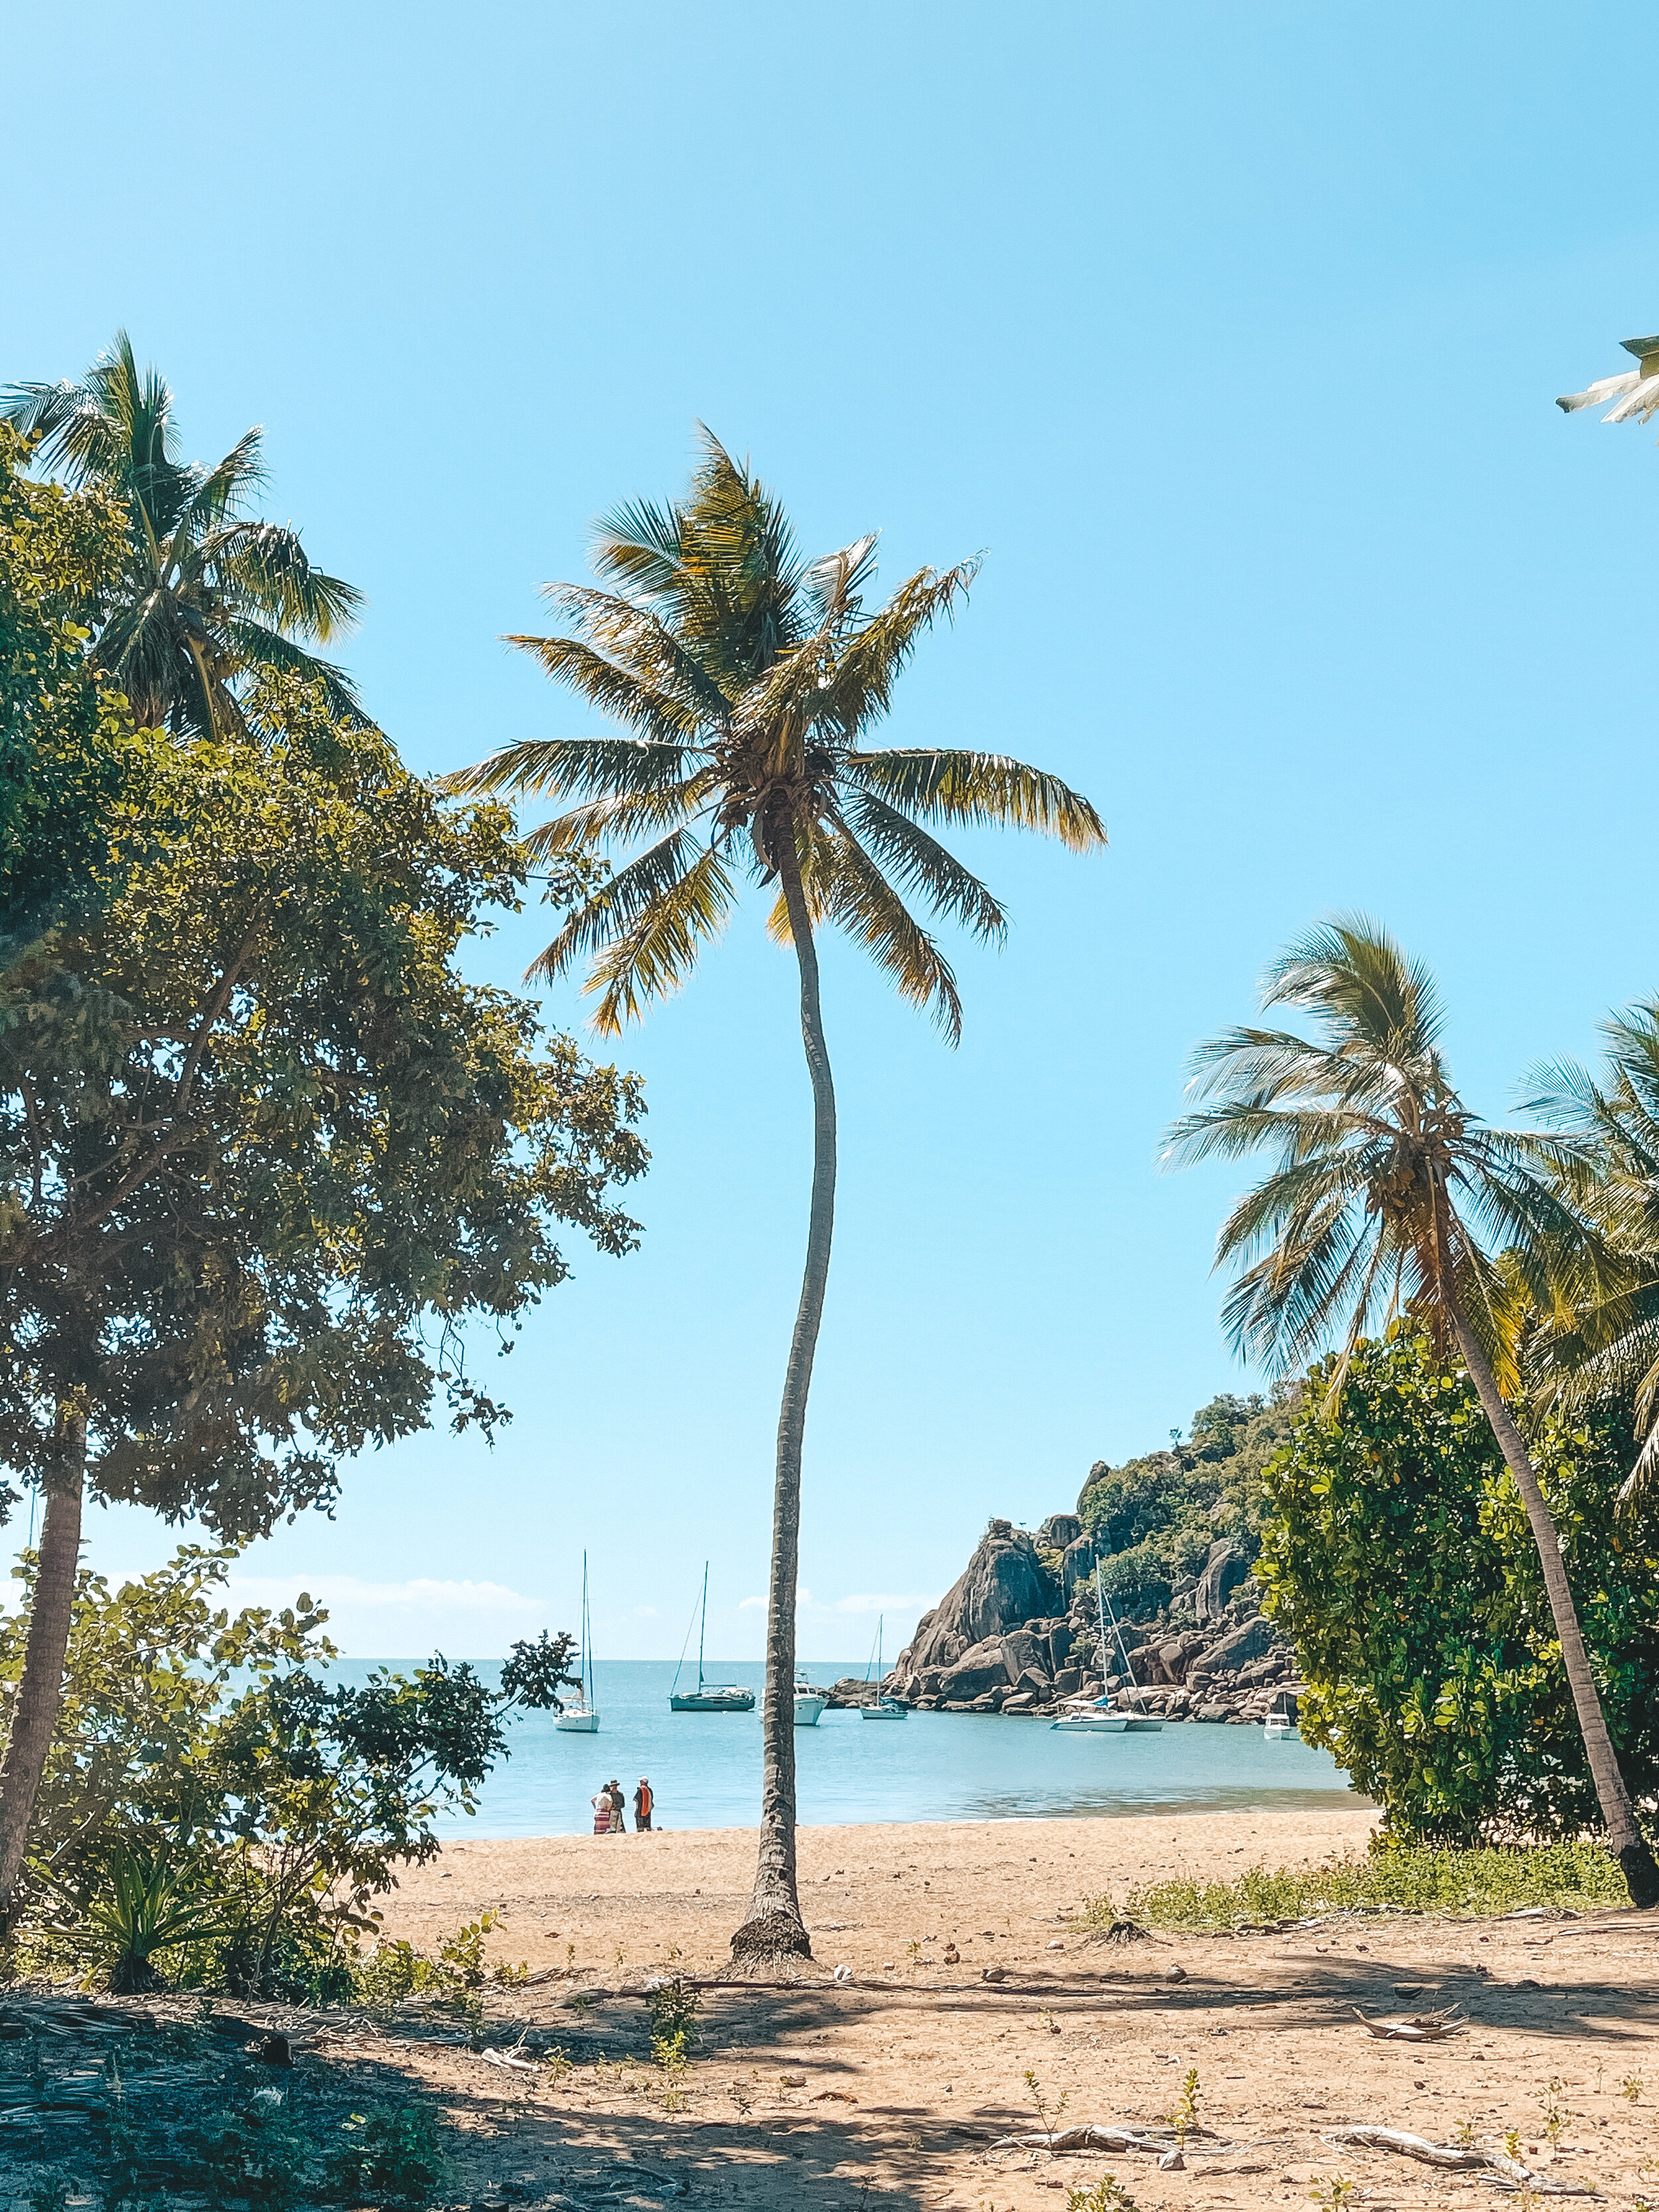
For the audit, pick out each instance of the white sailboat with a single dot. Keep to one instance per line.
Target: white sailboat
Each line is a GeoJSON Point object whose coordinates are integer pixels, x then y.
{"type": "Point", "coordinates": [1099, 1716]}
{"type": "Point", "coordinates": [884, 1709]}
{"type": "Point", "coordinates": [705, 1698]}
{"type": "Point", "coordinates": [580, 1715]}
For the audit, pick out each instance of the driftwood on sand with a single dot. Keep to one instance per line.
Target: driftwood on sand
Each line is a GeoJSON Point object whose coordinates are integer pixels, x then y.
{"type": "Point", "coordinates": [1091, 2138]}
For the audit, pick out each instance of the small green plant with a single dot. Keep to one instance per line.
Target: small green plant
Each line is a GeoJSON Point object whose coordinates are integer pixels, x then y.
{"type": "Point", "coordinates": [1464, 2139]}
{"type": "Point", "coordinates": [395, 1971]}
{"type": "Point", "coordinates": [391, 2157]}
{"type": "Point", "coordinates": [1512, 2144]}
{"type": "Point", "coordinates": [1335, 2195]}
{"type": "Point", "coordinates": [1107, 2194]}
{"type": "Point", "coordinates": [1047, 2120]}
{"type": "Point", "coordinates": [1184, 2117]}
{"type": "Point", "coordinates": [147, 1905]}
{"type": "Point", "coordinates": [1555, 2119]}
{"type": "Point", "coordinates": [254, 2156]}
{"type": "Point", "coordinates": [1631, 2086]}
{"type": "Point", "coordinates": [674, 2008]}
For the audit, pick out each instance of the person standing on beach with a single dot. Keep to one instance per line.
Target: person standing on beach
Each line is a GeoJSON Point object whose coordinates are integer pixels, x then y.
{"type": "Point", "coordinates": [618, 1825]}
{"type": "Point", "coordinates": [643, 1802]}
{"type": "Point", "coordinates": [601, 1805]}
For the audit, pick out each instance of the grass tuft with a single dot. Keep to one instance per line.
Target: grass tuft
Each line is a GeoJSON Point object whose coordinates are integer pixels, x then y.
{"type": "Point", "coordinates": [1407, 1878]}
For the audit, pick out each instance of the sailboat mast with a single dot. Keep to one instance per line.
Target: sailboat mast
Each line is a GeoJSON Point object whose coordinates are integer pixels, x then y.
{"type": "Point", "coordinates": [703, 1624]}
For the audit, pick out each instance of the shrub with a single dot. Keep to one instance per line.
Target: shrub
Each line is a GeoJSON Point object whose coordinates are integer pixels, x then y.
{"type": "Point", "coordinates": [392, 2157]}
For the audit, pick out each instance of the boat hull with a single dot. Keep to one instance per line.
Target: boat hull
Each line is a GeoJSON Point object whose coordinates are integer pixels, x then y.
{"type": "Point", "coordinates": [885, 1712]}
{"type": "Point", "coordinates": [712, 1701]}
{"type": "Point", "coordinates": [1281, 1734]}
{"type": "Point", "coordinates": [1095, 1724]}
{"type": "Point", "coordinates": [808, 1709]}
{"type": "Point", "coordinates": [578, 1720]}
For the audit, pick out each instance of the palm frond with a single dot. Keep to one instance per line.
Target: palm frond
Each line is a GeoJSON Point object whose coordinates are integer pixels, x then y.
{"type": "Point", "coordinates": [867, 665]}
{"type": "Point", "coordinates": [572, 767]}
{"type": "Point", "coordinates": [902, 849]}
{"type": "Point", "coordinates": [620, 692]}
{"type": "Point", "coordinates": [652, 957]}
{"type": "Point", "coordinates": [620, 905]}
{"type": "Point", "coordinates": [857, 898]}
{"type": "Point", "coordinates": [981, 788]}
{"type": "Point", "coordinates": [628, 814]}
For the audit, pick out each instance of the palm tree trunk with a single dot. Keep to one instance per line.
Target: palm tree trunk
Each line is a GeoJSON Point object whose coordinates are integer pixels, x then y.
{"type": "Point", "coordinates": [773, 1924]}
{"type": "Point", "coordinates": [39, 1693]}
{"type": "Point", "coordinates": [1625, 1839]}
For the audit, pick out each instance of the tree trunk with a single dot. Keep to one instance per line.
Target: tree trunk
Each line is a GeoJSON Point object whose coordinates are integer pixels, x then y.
{"type": "Point", "coordinates": [773, 1924]}
{"type": "Point", "coordinates": [1625, 1839]}
{"type": "Point", "coordinates": [34, 1712]}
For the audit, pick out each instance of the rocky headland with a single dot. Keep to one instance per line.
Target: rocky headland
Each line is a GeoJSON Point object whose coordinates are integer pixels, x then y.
{"type": "Point", "coordinates": [1017, 1633]}
{"type": "Point", "coordinates": [1014, 1635]}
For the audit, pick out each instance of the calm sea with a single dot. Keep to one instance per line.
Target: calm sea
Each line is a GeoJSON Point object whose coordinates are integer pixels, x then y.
{"type": "Point", "coordinates": [706, 1768]}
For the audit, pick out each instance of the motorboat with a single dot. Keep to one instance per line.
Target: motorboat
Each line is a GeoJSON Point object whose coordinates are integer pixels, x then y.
{"type": "Point", "coordinates": [809, 1703]}
{"type": "Point", "coordinates": [580, 1716]}
{"type": "Point", "coordinates": [706, 1698]}
{"type": "Point", "coordinates": [884, 1709]}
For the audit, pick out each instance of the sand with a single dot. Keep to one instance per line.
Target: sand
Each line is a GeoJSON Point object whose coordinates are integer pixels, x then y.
{"type": "Point", "coordinates": [893, 2088]}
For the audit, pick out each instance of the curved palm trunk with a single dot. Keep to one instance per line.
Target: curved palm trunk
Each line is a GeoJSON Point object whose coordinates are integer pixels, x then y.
{"type": "Point", "coordinates": [1624, 1839]}
{"type": "Point", "coordinates": [39, 1693]}
{"type": "Point", "coordinates": [773, 1924]}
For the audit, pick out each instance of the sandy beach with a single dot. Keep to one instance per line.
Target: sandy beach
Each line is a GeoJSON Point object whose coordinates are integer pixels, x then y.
{"type": "Point", "coordinates": [894, 2086]}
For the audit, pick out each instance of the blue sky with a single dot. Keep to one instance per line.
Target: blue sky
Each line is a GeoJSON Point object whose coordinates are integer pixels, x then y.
{"type": "Point", "coordinates": [1231, 335]}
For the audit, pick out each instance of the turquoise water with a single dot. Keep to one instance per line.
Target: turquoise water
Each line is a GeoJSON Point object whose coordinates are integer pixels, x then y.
{"type": "Point", "coordinates": [706, 1768]}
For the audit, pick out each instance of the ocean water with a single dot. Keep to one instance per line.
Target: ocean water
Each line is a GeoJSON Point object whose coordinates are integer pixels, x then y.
{"type": "Point", "coordinates": [706, 1768]}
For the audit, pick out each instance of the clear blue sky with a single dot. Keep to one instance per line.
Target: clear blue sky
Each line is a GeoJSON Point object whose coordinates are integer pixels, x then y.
{"type": "Point", "coordinates": [1230, 334]}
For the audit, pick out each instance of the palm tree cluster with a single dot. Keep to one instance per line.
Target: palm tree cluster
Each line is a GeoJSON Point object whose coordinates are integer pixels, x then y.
{"type": "Point", "coordinates": [209, 592]}
{"type": "Point", "coordinates": [1532, 1256]}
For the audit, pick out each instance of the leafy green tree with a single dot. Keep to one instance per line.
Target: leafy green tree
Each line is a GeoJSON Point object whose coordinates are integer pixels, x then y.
{"type": "Point", "coordinates": [1397, 1555]}
{"type": "Point", "coordinates": [1385, 1187]}
{"type": "Point", "coordinates": [266, 1154]}
{"type": "Point", "coordinates": [62, 734]}
{"type": "Point", "coordinates": [205, 591]}
{"type": "Point", "coordinates": [747, 681]}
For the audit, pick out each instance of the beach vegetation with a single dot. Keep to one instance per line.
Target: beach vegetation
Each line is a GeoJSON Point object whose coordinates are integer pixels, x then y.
{"type": "Point", "coordinates": [1106, 2193]}
{"type": "Point", "coordinates": [1451, 1885]}
{"type": "Point", "coordinates": [215, 1813]}
{"type": "Point", "coordinates": [272, 1157]}
{"type": "Point", "coordinates": [393, 2156]}
{"type": "Point", "coordinates": [202, 592]}
{"type": "Point", "coordinates": [1436, 1682]}
{"type": "Point", "coordinates": [1388, 1196]}
{"type": "Point", "coordinates": [747, 682]}
{"type": "Point", "coordinates": [1154, 1518]}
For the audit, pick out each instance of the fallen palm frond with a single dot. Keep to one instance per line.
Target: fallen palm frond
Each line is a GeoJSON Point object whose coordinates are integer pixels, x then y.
{"type": "Point", "coordinates": [1453, 2155]}
{"type": "Point", "coordinates": [1154, 2141]}
{"type": "Point", "coordinates": [1421, 2027]}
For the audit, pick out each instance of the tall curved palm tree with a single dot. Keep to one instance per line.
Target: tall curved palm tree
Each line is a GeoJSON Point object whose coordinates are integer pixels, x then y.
{"type": "Point", "coordinates": [1387, 1194]}
{"type": "Point", "coordinates": [208, 591]}
{"type": "Point", "coordinates": [747, 680]}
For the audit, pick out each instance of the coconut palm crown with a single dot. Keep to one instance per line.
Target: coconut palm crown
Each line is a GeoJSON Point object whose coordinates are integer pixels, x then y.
{"type": "Point", "coordinates": [746, 680]}
{"type": "Point", "coordinates": [1385, 1197]}
{"type": "Point", "coordinates": [210, 590]}
{"type": "Point", "coordinates": [1601, 1341]}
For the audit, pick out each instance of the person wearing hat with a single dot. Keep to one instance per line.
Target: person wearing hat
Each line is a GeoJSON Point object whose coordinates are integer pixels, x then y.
{"type": "Point", "coordinates": [618, 1826]}
{"type": "Point", "coordinates": [643, 1802]}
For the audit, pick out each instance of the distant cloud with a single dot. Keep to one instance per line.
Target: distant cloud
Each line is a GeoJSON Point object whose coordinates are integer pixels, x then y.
{"type": "Point", "coordinates": [331, 1590]}
{"type": "Point", "coordinates": [884, 1602]}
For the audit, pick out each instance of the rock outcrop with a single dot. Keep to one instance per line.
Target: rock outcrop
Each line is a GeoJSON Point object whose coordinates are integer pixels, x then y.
{"type": "Point", "coordinates": [1013, 1636]}
{"type": "Point", "coordinates": [1005, 1585]}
